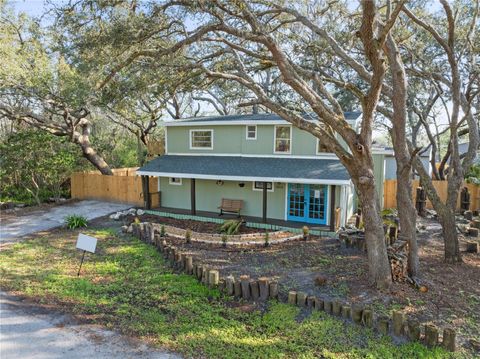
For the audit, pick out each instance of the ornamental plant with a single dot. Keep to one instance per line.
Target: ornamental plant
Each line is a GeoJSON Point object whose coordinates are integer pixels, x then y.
{"type": "Point", "coordinates": [74, 221]}
{"type": "Point", "coordinates": [266, 239]}
{"type": "Point", "coordinates": [306, 232]}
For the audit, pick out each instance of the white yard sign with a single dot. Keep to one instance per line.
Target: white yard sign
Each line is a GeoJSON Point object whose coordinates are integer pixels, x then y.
{"type": "Point", "coordinates": [86, 243]}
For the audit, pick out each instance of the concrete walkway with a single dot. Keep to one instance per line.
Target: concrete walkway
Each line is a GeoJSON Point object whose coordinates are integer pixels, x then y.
{"type": "Point", "coordinates": [28, 331]}
{"type": "Point", "coordinates": [41, 220]}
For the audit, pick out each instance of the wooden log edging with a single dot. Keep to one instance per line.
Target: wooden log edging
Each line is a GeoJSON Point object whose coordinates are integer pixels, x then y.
{"type": "Point", "coordinates": [263, 289]}
{"type": "Point", "coordinates": [275, 237]}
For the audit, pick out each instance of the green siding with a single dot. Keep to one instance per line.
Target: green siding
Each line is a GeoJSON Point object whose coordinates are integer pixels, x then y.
{"type": "Point", "coordinates": [379, 172]}
{"type": "Point", "coordinates": [209, 196]}
{"type": "Point", "coordinates": [173, 195]}
{"type": "Point", "coordinates": [231, 139]}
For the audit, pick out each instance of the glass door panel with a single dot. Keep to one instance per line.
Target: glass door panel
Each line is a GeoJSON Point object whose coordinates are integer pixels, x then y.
{"type": "Point", "coordinates": [307, 203]}
{"type": "Point", "coordinates": [296, 201]}
{"type": "Point", "coordinates": [317, 203]}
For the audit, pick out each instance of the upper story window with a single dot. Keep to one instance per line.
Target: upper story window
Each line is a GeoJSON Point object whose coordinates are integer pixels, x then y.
{"type": "Point", "coordinates": [251, 132]}
{"type": "Point", "coordinates": [283, 139]}
{"type": "Point", "coordinates": [201, 139]}
{"type": "Point", "coordinates": [321, 148]}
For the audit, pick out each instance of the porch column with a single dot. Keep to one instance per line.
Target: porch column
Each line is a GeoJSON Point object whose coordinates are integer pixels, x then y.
{"type": "Point", "coordinates": [264, 213]}
{"type": "Point", "coordinates": [193, 209]}
{"type": "Point", "coordinates": [332, 208]}
{"type": "Point", "coordinates": [146, 192]}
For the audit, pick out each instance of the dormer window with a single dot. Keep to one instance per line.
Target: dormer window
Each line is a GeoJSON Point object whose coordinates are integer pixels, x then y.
{"type": "Point", "coordinates": [283, 139]}
{"type": "Point", "coordinates": [251, 132]}
{"type": "Point", "coordinates": [201, 139]}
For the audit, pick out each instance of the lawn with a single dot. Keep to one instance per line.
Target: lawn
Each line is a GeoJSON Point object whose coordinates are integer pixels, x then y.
{"type": "Point", "coordinates": [128, 287]}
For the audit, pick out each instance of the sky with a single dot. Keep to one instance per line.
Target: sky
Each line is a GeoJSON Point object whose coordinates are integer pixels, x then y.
{"type": "Point", "coordinates": [30, 7]}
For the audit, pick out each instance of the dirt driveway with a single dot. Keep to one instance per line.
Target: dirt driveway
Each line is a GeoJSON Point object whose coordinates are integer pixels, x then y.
{"type": "Point", "coordinates": [13, 227]}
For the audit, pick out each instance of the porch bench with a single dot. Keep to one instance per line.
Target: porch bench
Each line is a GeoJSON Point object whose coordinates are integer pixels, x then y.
{"type": "Point", "coordinates": [231, 206]}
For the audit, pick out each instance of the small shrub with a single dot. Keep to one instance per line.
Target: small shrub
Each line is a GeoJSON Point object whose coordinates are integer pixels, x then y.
{"type": "Point", "coordinates": [188, 236]}
{"type": "Point", "coordinates": [266, 239]}
{"type": "Point", "coordinates": [74, 221]}
{"type": "Point", "coordinates": [231, 227]}
{"type": "Point", "coordinates": [306, 232]}
{"type": "Point", "coordinates": [224, 241]}
{"type": "Point", "coordinates": [162, 231]}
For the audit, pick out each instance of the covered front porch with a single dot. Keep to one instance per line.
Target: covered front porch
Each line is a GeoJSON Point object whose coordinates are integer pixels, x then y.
{"type": "Point", "coordinates": [321, 198]}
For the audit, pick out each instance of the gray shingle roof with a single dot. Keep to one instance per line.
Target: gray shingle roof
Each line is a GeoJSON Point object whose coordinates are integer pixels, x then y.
{"type": "Point", "coordinates": [270, 168]}
{"type": "Point", "coordinates": [353, 115]}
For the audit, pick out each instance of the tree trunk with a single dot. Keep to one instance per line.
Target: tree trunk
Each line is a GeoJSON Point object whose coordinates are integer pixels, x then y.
{"type": "Point", "coordinates": [446, 217]}
{"type": "Point", "coordinates": [378, 264]}
{"type": "Point", "coordinates": [140, 155]}
{"type": "Point", "coordinates": [405, 206]}
{"type": "Point", "coordinates": [408, 218]}
{"type": "Point", "coordinates": [445, 211]}
{"type": "Point", "coordinates": [82, 139]}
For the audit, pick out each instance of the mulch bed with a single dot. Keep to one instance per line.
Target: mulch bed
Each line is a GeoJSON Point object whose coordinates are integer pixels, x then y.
{"type": "Point", "coordinates": [196, 226]}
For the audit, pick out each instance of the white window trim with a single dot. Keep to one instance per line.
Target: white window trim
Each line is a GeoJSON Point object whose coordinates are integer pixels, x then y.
{"type": "Point", "coordinates": [175, 183]}
{"type": "Point", "coordinates": [261, 189]}
{"type": "Point", "coordinates": [275, 140]}
{"type": "Point", "coordinates": [246, 133]}
{"type": "Point", "coordinates": [198, 130]}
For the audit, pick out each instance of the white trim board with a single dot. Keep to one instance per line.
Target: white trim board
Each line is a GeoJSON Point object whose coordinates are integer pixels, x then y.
{"type": "Point", "coordinates": [180, 123]}
{"type": "Point", "coordinates": [243, 178]}
{"type": "Point", "coordinates": [324, 156]}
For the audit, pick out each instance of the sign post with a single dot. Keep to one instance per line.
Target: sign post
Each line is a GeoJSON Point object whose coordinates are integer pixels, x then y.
{"type": "Point", "coordinates": [87, 244]}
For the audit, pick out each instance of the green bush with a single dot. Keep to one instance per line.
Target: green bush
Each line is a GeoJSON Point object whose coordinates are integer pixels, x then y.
{"type": "Point", "coordinates": [74, 221]}
{"type": "Point", "coordinates": [231, 227]}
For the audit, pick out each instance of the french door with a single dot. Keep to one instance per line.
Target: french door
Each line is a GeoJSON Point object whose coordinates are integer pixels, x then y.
{"type": "Point", "coordinates": [307, 203]}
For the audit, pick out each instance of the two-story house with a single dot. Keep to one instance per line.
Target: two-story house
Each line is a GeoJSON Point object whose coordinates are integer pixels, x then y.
{"type": "Point", "coordinates": [281, 173]}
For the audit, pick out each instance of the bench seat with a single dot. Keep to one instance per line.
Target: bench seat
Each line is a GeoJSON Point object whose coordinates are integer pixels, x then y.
{"type": "Point", "coordinates": [231, 206]}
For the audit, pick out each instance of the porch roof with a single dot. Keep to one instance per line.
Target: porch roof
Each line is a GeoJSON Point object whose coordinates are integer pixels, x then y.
{"type": "Point", "coordinates": [236, 168]}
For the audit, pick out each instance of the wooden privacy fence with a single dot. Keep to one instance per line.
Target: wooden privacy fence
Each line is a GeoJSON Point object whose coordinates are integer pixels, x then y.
{"type": "Point", "coordinates": [124, 186]}
{"type": "Point", "coordinates": [390, 193]}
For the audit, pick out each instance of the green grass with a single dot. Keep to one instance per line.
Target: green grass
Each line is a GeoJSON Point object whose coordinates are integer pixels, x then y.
{"type": "Point", "coordinates": [128, 287]}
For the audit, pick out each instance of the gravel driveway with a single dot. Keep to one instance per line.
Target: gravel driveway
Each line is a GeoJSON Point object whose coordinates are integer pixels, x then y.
{"type": "Point", "coordinates": [13, 227]}
{"type": "Point", "coordinates": [28, 331]}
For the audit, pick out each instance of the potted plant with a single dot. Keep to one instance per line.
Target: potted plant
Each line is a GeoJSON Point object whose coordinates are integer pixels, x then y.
{"type": "Point", "coordinates": [306, 232]}
{"type": "Point", "coordinates": [188, 236]}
